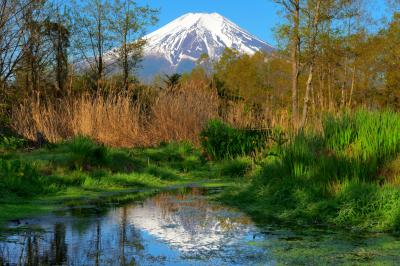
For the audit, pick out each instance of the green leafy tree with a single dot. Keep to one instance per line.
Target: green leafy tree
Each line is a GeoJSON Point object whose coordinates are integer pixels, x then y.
{"type": "Point", "coordinates": [128, 22]}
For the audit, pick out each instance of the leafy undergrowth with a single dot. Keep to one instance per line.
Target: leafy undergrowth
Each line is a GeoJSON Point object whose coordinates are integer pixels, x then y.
{"type": "Point", "coordinates": [347, 176]}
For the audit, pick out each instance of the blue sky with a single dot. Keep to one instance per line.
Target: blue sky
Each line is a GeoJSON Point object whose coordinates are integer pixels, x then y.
{"type": "Point", "coordinates": [256, 16]}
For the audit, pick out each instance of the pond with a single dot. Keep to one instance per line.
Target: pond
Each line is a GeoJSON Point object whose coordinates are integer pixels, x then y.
{"type": "Point", "coordinates": [181, 227]}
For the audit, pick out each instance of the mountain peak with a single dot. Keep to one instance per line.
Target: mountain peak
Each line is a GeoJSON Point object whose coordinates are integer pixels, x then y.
{"type": "Point", "coordinates": [193, 34]}
{"type": "Point", "coordinates": [175, 47]}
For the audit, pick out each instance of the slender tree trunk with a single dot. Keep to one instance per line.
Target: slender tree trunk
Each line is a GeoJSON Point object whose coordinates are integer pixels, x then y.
{"type": "Point", "coordinates": [125, 61]}
{"type": "Point", "coordinates": [344, 85]}
{"type": "Point", "coordinates": [313, 100]}
{"type": "Point", "coordinates": [312, 63]}
{"type": "Point", "coordinates": [353, 80]}
{"type": "Point", "coordinates": [321, 99]}
{"type": "Point", "coordinates": [100, 69]}
{"type": "Point", "coordinates": [346, 63]}
{"type": "Point", "coordinates": [307, 96]}
{"type": "Point", "coordinates": [330, 88]}
{"type": "Point", "coordinates": [295, 62]}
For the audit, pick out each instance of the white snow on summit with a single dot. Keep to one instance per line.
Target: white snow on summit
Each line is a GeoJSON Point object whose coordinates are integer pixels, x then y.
{"type": "Point", "coordinates": [193, 34]}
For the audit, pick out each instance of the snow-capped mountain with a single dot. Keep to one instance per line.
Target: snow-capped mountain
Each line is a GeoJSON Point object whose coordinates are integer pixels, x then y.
{"type": "Point", "coordinates": [194, 34]}
{"type": "Point", "coordinates": [178, 45]}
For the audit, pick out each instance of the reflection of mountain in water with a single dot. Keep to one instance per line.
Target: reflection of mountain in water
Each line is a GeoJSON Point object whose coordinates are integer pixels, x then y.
{"type": "Point", "coordinates": [177, 229]}
{"type": "Point", "coordinates": [189, 223]}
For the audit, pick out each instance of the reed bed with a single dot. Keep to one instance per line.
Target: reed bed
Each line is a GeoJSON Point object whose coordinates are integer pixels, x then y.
{"type": "Point", "coordinates": [119, 119]}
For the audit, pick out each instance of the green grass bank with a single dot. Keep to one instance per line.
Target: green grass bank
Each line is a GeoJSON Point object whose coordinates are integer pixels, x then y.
{"type": "Point", "coordinates": [345, 175]}
{"type": "Point", "coordinates": [78, 171]}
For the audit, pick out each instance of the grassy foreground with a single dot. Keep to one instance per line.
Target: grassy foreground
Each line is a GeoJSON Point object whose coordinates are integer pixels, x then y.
{"type": "Point", "coordinates": [345, 175]}
{"type": "Point", "coordinates": [74, 172]}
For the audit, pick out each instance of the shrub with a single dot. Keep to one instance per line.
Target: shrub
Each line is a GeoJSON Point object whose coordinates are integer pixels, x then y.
{"type": "Point", "coordinates": [220, 141]}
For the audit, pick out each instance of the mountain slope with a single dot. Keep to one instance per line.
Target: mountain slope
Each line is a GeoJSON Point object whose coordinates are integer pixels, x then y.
{"type": "Point", "coordinates": [178, 45]}
{"type": "Point", "coordinates": [193, 34]}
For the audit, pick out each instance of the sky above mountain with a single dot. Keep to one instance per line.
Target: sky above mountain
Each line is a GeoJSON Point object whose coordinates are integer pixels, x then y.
{"type": "Point", "coordinates": [256, 16]}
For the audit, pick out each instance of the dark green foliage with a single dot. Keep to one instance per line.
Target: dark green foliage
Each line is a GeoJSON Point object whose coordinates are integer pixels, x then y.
{"type": "Point", "coordinates": [235, 168]}
{"type": "Point", "coordinates": [221, 141]}
{"type": "Point", "coordinates": [81, 163]}
{"type": "Point", "coordinates": [11, 143]}
{"type": "Point", "coordinates": [173, 80]}
{"type": "Point", "coordinates": [19, 178]}
{"type": "Point", "coordinates": [85, 153]}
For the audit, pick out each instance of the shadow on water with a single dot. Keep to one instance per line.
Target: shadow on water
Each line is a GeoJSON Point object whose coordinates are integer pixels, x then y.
{"type": "Point", "coordinates": [180, 227]}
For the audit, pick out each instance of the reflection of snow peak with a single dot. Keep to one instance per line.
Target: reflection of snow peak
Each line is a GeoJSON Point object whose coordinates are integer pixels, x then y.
{"type": "Point", "coordinates": [194, 34]}
{"type": "Point", "coordinates": [187, 228]}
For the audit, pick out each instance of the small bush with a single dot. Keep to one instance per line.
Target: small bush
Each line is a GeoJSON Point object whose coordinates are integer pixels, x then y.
{"type": "Point", "coordinates": [221, 141]}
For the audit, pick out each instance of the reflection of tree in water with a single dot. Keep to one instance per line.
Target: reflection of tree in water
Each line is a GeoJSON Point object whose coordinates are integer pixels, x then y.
{"type": "Point", "coordinates": [37, 248]}
{"type": "Point", "coordinates": [184, 220]}
{"type": "Point", "coordinates": [129, 237]}
{"type": "Point", "coordinates": [32, 255]}
{"type": "Point", "coordinates": [59, 245]}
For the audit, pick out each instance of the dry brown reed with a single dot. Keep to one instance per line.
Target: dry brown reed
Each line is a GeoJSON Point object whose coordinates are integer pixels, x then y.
{"type": "Point", "coordinates": [113, 119]}
{"type": "Point", "coordinates": [240, 115]}
{"type": "Point", "coordinates": [181, 114]}
{"type": "Point", "coordinates": [116, 119]}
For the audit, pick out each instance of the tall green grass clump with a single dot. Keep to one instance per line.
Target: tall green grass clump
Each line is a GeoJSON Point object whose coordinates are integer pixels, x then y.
{"type": "Point", "coordinates": [85, 153]}
{"type": "Point", "coordinates": [334, 176]}
{"type": "Point", "coordinates": [222, 141]}
{"type": "Point", "coordinates": [368, 139]}
{"type": "Point", "coordinates": [20, 179]}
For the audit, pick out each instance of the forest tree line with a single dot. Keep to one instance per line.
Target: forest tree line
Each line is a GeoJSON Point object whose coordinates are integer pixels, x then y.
{"type": "Point", "coordinates": [43, 43]}
{"type": "Point", "coordinates": [328, 59]}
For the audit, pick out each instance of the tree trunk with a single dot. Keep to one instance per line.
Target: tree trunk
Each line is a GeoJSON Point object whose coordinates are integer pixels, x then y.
{"type": "Point", "coordinates": [312, 63]}
{"type": "Point", "coordinates": [307, 96]}
{"type": "Point", "coordinates": [125, 61]}
{"type": "Point", "coordinates": [100, 68]}
{"type": "Point", "coordinates": [353, 80]}
{"type": "Point", "coordinates": [344, 85]}
{"type": "Point", "coordinates": [295, 63]}
{"type": "Point", "coordinates": [330, 105]}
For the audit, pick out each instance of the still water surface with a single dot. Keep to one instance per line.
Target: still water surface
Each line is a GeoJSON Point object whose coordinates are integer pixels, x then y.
{"type": "Point", "coordinates": [179, 228]}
